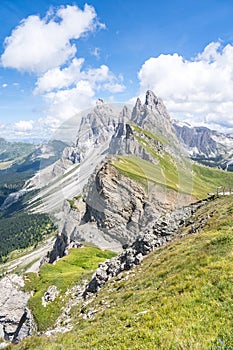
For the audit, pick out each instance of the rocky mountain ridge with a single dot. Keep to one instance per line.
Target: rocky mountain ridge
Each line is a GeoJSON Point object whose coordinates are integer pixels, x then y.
{"type": "Point", "coordinates": [95, 140]}
{"type": "Point", "coordinates": [207, 146]}
{"type": "Point", "coordinates": [95, 200]}
{"type": "Point", "coordinates": [117, 207]}
{"type": "Point", "coordinates": [114, 208]}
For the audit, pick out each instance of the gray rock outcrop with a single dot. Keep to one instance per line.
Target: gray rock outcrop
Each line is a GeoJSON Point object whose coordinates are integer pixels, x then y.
{"type": "Point", "coordinates": [158, 233]}
{"type": "Point", "coordinates": [124, 141]}
{"type": "Point", "coordinates": [50, 295]}
{"type": "Point", "coordinates": [16, 321]}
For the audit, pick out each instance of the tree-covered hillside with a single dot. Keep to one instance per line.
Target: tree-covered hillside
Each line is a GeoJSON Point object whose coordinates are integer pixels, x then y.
{"type": "Point", "coordinates": [22, 230]}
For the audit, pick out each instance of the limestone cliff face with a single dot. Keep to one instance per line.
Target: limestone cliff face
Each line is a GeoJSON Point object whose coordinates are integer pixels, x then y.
{"type": "Point", "coordinates": [112, 213]}
{"type": "Point", "coordinates": [96, 130]}
{"type": "Point", "coordinates": [115, 203]}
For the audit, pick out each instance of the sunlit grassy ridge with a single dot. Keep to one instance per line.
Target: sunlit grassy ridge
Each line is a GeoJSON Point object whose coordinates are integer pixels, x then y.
{"type": "Point", "coordinates": [196, 179]}
{"type": "Point", "coordinates": [179, 298]}
{"type": "Point", "coordinates": [176, 173]}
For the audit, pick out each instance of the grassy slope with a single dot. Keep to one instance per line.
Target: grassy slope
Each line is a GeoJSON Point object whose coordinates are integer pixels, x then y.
{"type": "Point", "coordinates": [176, 174]}
{"type": "Point", "coordinates": [179, 298]}
{"type": "Point", "coordinates": [78, 265]}
{"type": "Point", "coordinates": [195, 179]}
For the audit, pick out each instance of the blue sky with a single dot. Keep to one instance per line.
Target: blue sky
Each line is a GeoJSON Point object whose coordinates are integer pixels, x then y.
{"type": "Point", "coordinates": [114, 49]}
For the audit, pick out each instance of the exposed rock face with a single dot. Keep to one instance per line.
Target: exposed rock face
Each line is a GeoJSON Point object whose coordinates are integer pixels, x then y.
{"type": "Point", "coordinates": [114, 210]}
{"type": "Point", "coordinates": [198, 139]}
{"type": "Point", "coordinates": [115, 203]}
{"type": "Point", "coordinates": [59, 248]}
{"type": "Point", "coordinates": [124, 142]}
{"type": "Point", "coordinates": [16, 321]}
{"type": "Point", "coordinates": [158, 233]}
{"type": "Point", "coordinates": [153, 116]}
{"type": "Point", "coordinates": [96, 129]}
{"type": "Point", "coordinates": [13, 198]}
{"type": "Point", "coordinates": [206, 146]}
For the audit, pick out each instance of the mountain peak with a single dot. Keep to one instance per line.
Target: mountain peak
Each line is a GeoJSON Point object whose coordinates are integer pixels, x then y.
{"type": "Point", "coordinates": [100, 102]}
{"type": "Point", "coordinates": [136, 110]}
{"type": "Point", "coordinates": [125, 114]}
{"type": "Point", "coordinates": [151, 98]}
{"type": "Point", "coordinates": [138, 103]}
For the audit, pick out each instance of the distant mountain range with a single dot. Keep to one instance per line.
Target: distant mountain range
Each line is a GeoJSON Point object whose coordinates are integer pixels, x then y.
{"type": "Point", "coordinates": [206, 146]}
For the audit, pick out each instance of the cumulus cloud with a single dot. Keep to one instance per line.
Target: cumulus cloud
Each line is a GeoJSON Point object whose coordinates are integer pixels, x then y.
{"type": "Point", "coordinates": [58, 78]}
{"type": "Point", "coordinates": [46, 48]}
{"type": "Point", "coordinates": [197, 90]}
{"type": "Point", "coordinates": [69, 90]}
{"type": "Point", "coordinates": [68, 102]}
{"type": "Point", "coordinates": [24, 125]}
{"type": "Point", "coordinates": [100, 78]}
{"type": "Point", "coordinates": [39, 44]}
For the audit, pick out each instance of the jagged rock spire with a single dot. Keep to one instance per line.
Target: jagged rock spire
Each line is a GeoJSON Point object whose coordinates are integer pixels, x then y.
{"type": "Point", "coordinates": [124, 115]}
{"type": "Point", "coordinates": [136, 110]}
{"type": "Point", "coordinates": [151, 98]}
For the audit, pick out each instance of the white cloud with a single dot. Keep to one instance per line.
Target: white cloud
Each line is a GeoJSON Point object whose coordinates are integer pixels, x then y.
{"type": "Point", "coordinates": [58, 78]}
{"type": "Point", "coordinates": [39, 44]}
{"type": "Point", "coordinates": [198, 90]}
{"type": "Point", "coordinates": [69, 90]}
{"type": "Point", "coordinates": [24, 125]}
{"type": "Point", "coordinates": [4, 85]}
{"type": "Point", "coordinates": [63, 104]}
{"type": "Point", "coordinates": [114, 87]}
